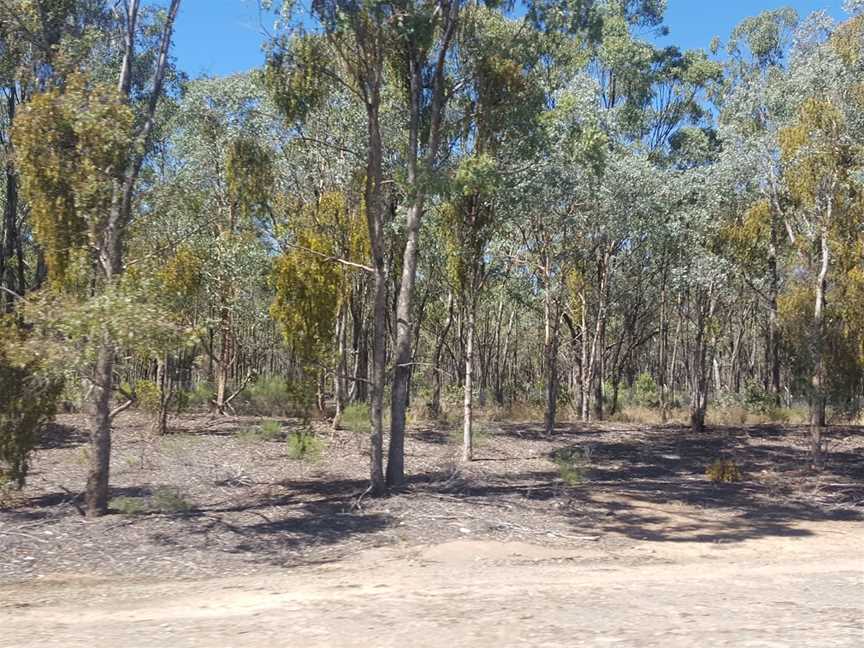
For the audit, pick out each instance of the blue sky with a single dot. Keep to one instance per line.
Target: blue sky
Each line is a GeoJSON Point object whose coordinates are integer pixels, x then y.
{"type": "Point", "coordinates": [219, 37]}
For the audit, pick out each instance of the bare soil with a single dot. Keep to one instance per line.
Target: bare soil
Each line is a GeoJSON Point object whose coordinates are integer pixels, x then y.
{"type": "Point", "coordinates": [273, 551]}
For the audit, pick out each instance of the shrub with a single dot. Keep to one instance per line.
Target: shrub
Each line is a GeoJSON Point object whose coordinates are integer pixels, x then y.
{"type": "Point", "coordinates": [758, 399]}
{"type": "Point", "coordinates": [265, 431]}
{"type": "Point", "coordinates": [645, 391]}
{"type": "Point", "coordinates": [148, 394]}
{"type": "Point", "coordinates": [270, 397]}
{"type": "Point", "coordinates": [572, 464]}
{"type": "Point", "coordinates": [304, 445]}
{"type": "Point", "coordinates": [199, 396]}
{"type": "Point", "coordinates": [723, 471]}
{"type": "Point", "coordinates": [28, 401]}
{"type": "Point", "coordinates": [129, 505]}
{"type": "Point", "coordinates": [169, 500]}
{"type": "Point", "coordinates": [164, 499]}
{"type": "Point", "coordinates": [355, 418]}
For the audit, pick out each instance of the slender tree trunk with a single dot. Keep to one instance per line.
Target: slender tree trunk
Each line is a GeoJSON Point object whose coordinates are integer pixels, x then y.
{"type": "Point", "coordinates": [111, 257]}
{"type": "Point", "coordinates": [774, 337]}
{"type": "Point", "coordinates": [468, 416]}
{"type": "Point", "coordinates": [662, 362]}
{"type": "Point", "coordinates": [417, 183]}
{"type": "Point", "coordinates": [550, 354]}
{"type": "Point", "coordinates": [163, 384]}
{"type": "Point", "coordinates": [96, 494]}
{"type": "Point", "coordinates": [584, 368]}
{"type": "Point", "coordinates": [375, 220]}
{"type": "Point", "coordinates": [339, 385]}
{"type": "Point", "coordinates": [435, 403]}
{"type": "Point", "coordinates": [11, 239]}
{"type": "Point", "coordinates": [817, 414]}
{"type": "Point", "coordinates": [501, 363]}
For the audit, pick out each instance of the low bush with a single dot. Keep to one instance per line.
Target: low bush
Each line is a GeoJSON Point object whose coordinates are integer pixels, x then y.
{"type": "Point", "coordinates": [169, 500]}
{"type": "Point", "coordinates": [270, 397]}
{"type": "Point", "coordinates": [265, 431]}
{"type": "Point", "coordinates": [164, 499]}
{"type": "Point", "coordinates": [199, 396]}
{"type": "Point", "coordinates": [129, 505]}
{"type": "Point", "coordinates": [148, 395]}
{"type": "Point", "coordinates": [723, 471]}
{"type": "Point", "coordinates": [645, 392]}
{"type": "Point", "coordinates": [28, 401]}
{"type": "Point", "coordinates": [355, 418]}
{"type": "Point", "coordinates": [573, 464]}
{"type": "Point", "coordinates": [304, 445]}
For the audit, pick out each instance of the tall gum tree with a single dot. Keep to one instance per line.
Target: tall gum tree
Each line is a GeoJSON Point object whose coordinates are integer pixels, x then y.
{"type": "Point", "coordinates": [101, 208]}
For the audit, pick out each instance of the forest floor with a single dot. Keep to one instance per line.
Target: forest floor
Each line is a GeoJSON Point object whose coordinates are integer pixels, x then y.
{"type": "Point", "coordinates": [242, 545]}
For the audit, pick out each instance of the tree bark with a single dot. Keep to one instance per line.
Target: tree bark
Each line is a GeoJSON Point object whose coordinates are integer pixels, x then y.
{"type": "Point", "coordinates": [110, 255]}
{"type": "Point", "coordinates": [435, 403]}
{"type": "Point", "coordinates": [817, 414]}
{"type": "Point", "coordinates": [468, 402]}
{"type": "Point", "coordinates": [417, 183]}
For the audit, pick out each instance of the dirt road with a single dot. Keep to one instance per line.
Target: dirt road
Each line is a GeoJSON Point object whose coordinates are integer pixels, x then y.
{"type": "Point", "coordinates": [805, 590]}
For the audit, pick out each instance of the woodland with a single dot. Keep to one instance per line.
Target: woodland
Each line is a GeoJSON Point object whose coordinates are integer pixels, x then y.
{"type": "Point", "coordinates": [434, 217]}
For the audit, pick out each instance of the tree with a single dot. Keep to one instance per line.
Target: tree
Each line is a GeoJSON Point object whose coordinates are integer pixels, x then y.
{"type": "Point", "coordinates": [96, 202]}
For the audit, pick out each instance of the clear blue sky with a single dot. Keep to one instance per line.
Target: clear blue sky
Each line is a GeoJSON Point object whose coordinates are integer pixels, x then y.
{"type": "Point", "coordinates": [223, 36]}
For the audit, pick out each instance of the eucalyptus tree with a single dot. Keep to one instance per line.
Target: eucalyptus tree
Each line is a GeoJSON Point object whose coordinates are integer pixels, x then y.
{"type": "Point", "coordinates": [497, 129]}
{"type": "Point", "coordinates": [821, 148]}
{"type": "Point", "coordinates": [349, 53]}
{"type": "Point", "coordinates": [94, 182]}
{"type": "Point", "coordinates": [754, 105]}
{"type": "Point", "coordinates": [217, 191]}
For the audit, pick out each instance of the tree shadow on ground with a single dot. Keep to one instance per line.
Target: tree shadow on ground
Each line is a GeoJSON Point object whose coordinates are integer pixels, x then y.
{"type": "Point", "coordinates": [55, 436]}
{"type": "Point", "coordinates": [650, 484]}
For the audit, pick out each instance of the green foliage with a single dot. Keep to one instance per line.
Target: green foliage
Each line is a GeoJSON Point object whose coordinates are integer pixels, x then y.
{"type": "Point", "coordinates": [199, 396]}
{"type": "Point", "coordinates": [573, 464]}
{"type": "Point", "coordinates": [65, 331]}
{"type": "Point", "coordinates": [355, 418]}
{"type": "Point", "coordinates": [758, 399]}
{"type": "Point", "coordinates": [645, 391]}
{"type": "Point", "coordinates": [164, 499]}
{"type": "Point", "coordinates": [28, 400]}
{"type": "Point", "coordinates": [169, 500]}
{"type": "Point", "coordinates": [304, 445]}
{"type": "Point", "coordinates": [724, 471]}
{"type": "Point", "coordinates": [270, 431]}
{"type": "Point", "coordinates": [249, 175]}
{"type": "Point", "coordinates": [270, 397]}
{"type": "Point", "coordinates": [296, 78]}
{"type": "Point", "coordinates": [129, 505]}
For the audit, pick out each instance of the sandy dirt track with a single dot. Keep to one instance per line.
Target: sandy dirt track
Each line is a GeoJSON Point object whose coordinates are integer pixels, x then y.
{"type": "Point", "coordinates": [806, 590]}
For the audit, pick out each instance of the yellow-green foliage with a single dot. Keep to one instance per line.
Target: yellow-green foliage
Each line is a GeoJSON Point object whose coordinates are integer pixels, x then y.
{"type": "Point", "coordinates": [724, 471]}
{"type": "Point", "coordinates": [71, 146]}
{"type": "Point", "coordinates": [745, 238]}
{"type": "Point", "coordinates": [848, 41]}
{"type": "Point", "coordinates": [818, 156]}
{"type": "Point", "coordinates": [148, 395]}
{"type": "Point", "coordinates": [310, 284]}
{"type": "Point", "coordinates": [295, 76]}
{"type": "Point", "coordinates": [181, 275]}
